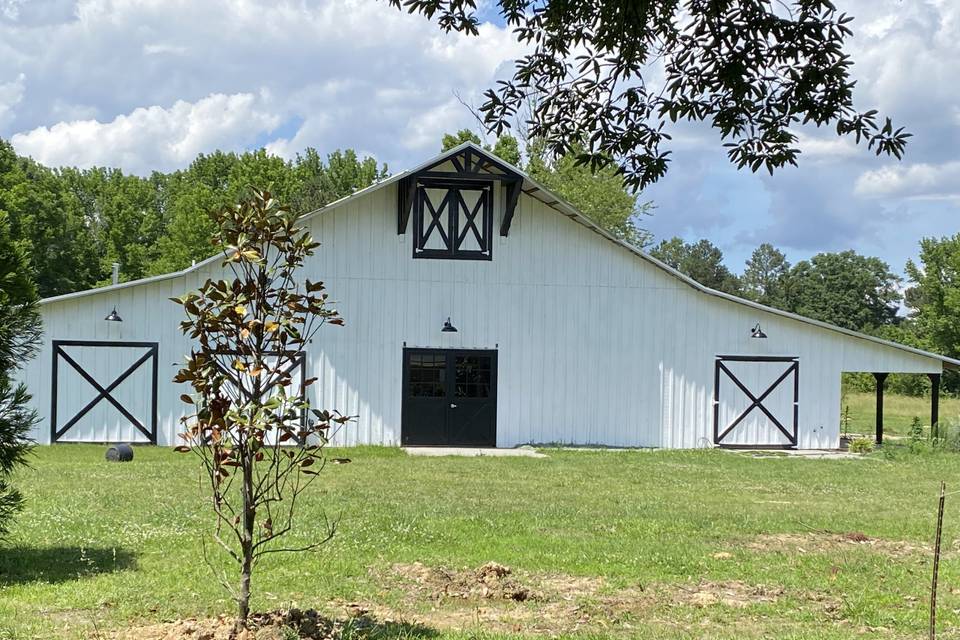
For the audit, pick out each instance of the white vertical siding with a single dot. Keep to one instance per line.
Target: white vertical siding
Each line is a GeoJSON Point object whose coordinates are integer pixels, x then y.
{"type": "Point", "coordinates": [595, 345]}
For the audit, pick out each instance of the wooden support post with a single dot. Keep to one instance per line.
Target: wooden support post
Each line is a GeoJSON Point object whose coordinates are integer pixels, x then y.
{"type": "Point", "coordinates": [881, 379]}
{"type": "Point", "coordinates": [934, 404]}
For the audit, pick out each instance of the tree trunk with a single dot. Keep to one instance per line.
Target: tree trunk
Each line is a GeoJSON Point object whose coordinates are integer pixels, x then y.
{"type": "Point", "coordinates": [246, 544]}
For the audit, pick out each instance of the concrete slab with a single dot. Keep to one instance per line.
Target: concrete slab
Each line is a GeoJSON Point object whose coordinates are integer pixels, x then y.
{"type": "Point", "coordinates": [474, 452]}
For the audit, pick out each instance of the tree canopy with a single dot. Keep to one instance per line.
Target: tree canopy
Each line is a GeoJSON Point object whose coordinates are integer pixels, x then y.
{"type": "Point", "coordinates": [20, 330]}
{"type": "Point", "coordinates": [754, 71]}
{"type": "Point", "coordinates": [845, 289]}
{"type": "Point", "coordinates": [934, 295]}
{"type": "Point", "coordinates": [764, 275]}
{"type": "Point", "coordinates": [702, 261]}
{"type": "Point", "coordinates": [72, 224]}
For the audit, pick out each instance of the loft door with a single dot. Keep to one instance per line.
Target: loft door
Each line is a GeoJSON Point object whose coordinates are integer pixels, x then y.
{"type": "Point", "coordinates": [449, 398]}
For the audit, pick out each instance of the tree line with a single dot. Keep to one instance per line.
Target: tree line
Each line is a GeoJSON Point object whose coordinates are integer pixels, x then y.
{"type": "Point", "coordinates": [73, 224]}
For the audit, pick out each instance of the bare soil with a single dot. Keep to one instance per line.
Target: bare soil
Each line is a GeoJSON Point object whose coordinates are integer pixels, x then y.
{"type": "Point", "coordinates": [276, 625]}
{"type": "Point", "coordinates": [825, 542]}
{"type": "Point", "coordinates": [493, 598]}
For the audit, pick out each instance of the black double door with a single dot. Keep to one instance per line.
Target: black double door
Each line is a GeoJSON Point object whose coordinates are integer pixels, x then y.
{"type": "Point", "coordinates": [449, 398]}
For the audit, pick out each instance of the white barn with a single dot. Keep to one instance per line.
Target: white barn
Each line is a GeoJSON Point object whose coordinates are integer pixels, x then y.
{"type": "Point", "coordinates": [563, 334]}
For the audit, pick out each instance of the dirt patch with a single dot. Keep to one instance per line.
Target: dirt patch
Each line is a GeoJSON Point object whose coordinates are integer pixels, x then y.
{"type": "Point", "coordinates": [277, 625]}
{"type": "Point", "coordinates": [492, 581]}
{"type": "Point", "coordinates": [733, 593]}
{"type": "Point", "coordinates": [829, 542]}
{"type": "Point", "coordinates": [492, 598]}
{"type": "Point", "coordinates": [497, 598]}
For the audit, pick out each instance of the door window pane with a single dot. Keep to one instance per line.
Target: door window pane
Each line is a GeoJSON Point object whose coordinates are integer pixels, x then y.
{"type": "Point", "coordinates": [428, 375]}
{"type": "Point", "coordinates": [473, 376]}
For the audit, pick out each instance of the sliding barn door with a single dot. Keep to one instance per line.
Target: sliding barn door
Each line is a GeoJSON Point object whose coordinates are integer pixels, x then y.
{"type": "Point", "coordinates": [755, 401]}
{"type": "Point", "coordinates": [104, 391]}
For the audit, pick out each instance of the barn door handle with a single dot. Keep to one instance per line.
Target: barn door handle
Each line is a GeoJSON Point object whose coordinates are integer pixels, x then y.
{"type": "Point", "coordinates": [453, 406]}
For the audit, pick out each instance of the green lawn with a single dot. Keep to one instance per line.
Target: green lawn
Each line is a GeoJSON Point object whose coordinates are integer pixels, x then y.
{"type": "Point", "coordinates": [898, 412]}
{"type": "Point", "coordinates": [617, 544]}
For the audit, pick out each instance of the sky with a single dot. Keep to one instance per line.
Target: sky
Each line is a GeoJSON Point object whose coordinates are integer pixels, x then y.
{"type": "Point", "coordinates": [148, 84]}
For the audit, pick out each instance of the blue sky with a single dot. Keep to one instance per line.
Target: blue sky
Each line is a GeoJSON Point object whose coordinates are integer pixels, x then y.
{"type": "Point", "coordinates": [148, 84]}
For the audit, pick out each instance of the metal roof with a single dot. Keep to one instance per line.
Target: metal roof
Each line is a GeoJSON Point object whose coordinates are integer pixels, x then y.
{"type": "Point", "coordinates": [536, 190]}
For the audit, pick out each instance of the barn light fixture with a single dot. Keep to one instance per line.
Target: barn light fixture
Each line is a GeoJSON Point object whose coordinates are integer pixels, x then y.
{"type": "Point", "coordinates": [114, 316]}
{"type": "Point", "coordinates": [448, 328]}
{"type": "Point", "coordinates": [757, 332]}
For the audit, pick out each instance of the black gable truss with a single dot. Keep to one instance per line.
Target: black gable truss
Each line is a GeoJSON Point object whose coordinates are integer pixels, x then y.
{"type": "Point", "coordinates": [469, 164]}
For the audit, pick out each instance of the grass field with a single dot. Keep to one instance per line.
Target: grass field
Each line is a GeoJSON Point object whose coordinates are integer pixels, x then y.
{"type": "Point", "coordinates": [696, 544]}
{"type": "Point", "coordinates": [898, 412]}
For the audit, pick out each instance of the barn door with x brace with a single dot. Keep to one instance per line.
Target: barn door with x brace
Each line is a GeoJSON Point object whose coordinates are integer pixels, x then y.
{"type": "Point", "coordinates": [755, 401]}
{"type": "Point", "coordinates": [104, 391]}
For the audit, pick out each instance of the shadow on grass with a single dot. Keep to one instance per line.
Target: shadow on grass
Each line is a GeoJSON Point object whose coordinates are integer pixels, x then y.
{"type": "Point", "coordinates": [369, 628]}
{"type": "Point", "coordinates": [19, 565]}
{"type": "Point", "coordinates": [311, 625]}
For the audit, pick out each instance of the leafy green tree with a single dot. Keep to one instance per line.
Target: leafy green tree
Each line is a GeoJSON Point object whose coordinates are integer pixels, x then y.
{"type": "Point", "coordinates": [212, 181]}
{"type": "Point", "coordinates": [764, 276]}
{"type": "Point", "coordinates": [20, 332]}
{"type": "Point", "coordinates": [47, 224]}
{"type": "Point", "coordinates": [186, 238]}
{"type": "Point", "coordinates": [451, 140]}
{"type": "Point", "coordinates": [344, 173]}
{"type": "Point", "coordinates": [845, 289]}
{"type": "Point", "coordinates": [125, 218]}
{"type": "Point", "coordinates": [248, 334]}
{"type": "Point", "coordinates": [934, 297]}
{"type": "Point", "coordinates": [599, 194]}
{"type": "Point", "coordinates": [753, 70]}
{"type": "Point", "coordinates": [507, 149]}
{"type": "Point", "coordinates": [702, 261]}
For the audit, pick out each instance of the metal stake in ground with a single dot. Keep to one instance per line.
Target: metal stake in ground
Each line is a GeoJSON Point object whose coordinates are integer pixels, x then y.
{"type": "Point", "coordinates": [936, 564]}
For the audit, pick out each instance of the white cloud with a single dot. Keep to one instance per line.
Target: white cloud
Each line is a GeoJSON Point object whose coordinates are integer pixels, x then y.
{"type": "Point", "coordinates": [11, 94]}
{"type": "Point", "coordinates": [920, 180]}
{"type": "Point", "coordinates": [151, 137]}
{"type": "Point", "coordinates": [10, 9]}
{"type": "Point", "coordinates": [353, 73]}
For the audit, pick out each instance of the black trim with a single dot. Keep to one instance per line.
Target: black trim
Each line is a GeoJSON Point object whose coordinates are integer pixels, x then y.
{"type": "Point", "coordinates": [934, 402]}
{"type": "Point", "coordinates": [513, 198]}
{"type": "Point", "coordinates": [450, 384]}
{"type": "Point", "coordinates": [444, 219]}
{"type": "Point", "coordinates": [881, 379]}
{"type": "Point", "coordinates": [785, 447]}
{"type": "Point", "coordinates": [405, 194]}
{"type": "Point", "coordinates": [756, 402]}
{"type": "Point", "coordinates": [468, 164]}
{"type": "Point", "coordinates": [104, 393]}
